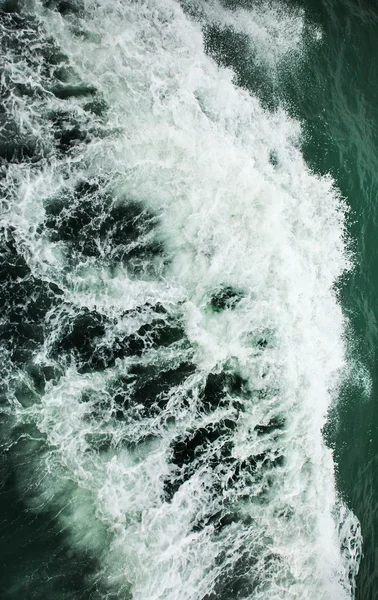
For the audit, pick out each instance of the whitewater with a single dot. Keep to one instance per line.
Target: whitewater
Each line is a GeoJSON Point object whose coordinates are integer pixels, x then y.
{"type": "Point", "coordinates": [172, 339]}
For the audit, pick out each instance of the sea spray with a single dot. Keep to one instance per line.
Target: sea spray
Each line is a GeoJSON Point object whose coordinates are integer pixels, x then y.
{"type": "Point", "coordinates": [172, 332]}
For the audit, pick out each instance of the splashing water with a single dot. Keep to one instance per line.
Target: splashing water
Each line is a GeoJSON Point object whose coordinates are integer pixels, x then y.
{"type": "Point", "coordinates": [172, 339]}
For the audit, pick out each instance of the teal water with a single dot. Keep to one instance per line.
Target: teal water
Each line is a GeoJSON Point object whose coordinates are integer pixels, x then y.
{"type": "Point", "coordinates": [335, 96]}
{"type": "Point", "coordinates": [167, 387]}
{"type": "Point", "coordinates": [342, 118]}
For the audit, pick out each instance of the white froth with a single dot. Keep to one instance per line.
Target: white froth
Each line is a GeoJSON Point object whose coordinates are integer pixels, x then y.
{"type": "Point", "coordinates": [275, 32]}
{"type": "Point", "coordinates": [197, 151]}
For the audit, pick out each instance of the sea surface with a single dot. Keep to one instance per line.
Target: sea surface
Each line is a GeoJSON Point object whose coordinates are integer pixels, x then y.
{"type": "Point", "coordinates": [189, 284]}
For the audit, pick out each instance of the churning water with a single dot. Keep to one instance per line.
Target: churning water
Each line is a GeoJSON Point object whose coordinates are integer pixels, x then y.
{"type": "Point", "coordinates": [172, 339]}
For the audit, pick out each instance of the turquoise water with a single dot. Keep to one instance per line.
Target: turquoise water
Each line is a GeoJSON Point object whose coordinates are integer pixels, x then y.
{"type": "Point", "coordinates": [189, 329]}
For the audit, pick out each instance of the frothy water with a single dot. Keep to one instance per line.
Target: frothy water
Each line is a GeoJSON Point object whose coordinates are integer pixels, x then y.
{"type": "Point", "coordinates": [172, 336]}
{"type": "Point", "coordinates": [274, 33]}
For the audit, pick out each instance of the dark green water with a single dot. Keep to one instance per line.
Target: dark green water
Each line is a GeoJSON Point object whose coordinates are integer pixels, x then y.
{"type": "Point", "coordinates": [334, 94]}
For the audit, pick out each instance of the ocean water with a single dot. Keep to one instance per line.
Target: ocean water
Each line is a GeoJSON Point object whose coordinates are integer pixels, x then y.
{"type": "Point", "coordinates": [188, 320]}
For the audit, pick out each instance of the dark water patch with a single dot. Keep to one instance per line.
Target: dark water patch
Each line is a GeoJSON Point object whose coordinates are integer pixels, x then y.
{"type": "Point", "coordinates": [99, 442]}
{"type": "Point", "coordinates": [41, 374]}
{"type": "Point", "coordinates": [275, 425]}
{"type": "Point", "coordinates": [10, 6]}
{"type": "Point", "coordinates": [16, 146]}
{"type": "Point", "coordinates": [13, 22]}
{"type": "Point", "coordinates": [262, 343]}
{"type": "Point", "coordinates": [152, 386]}
{"type": "Point", "coordinates": [161, 333]}
{"type": "Point", "coordinates": [209, 446]}
{"type": "Point", "coordinates": [273, 158]}
{"type": "Point", "coordinates": [235, 580]}
{"type": "Point", "coordinates": [198, 442]}
{"type": "Point", "coordinates": [74, 216]}
{"type": "Point", "coordinates": [31, 76]}
{"type": "Point", "coordinates": [251, 472]}
{"type": "Point", "coordinates": [13, 265]}
{"type": "Point", "coordinates": [72, 91]}
{"type": "Point", "coordinates": [98, 106]}
{"type": "Point", "coordinates": [211, 443]}
{"type": "Point", "coordinates": [80, 335]}
{"type": "Point", "coordinates": [145, 390]}
{"type": "Point", "coordinates": [68, 131]}
{"type": "Point", "coordinates": [217, 521]}
{"type": "Point", "coordinates": [25, 392]}
{"type": "Point", "coordinates": [94, 225]}
{"type": "Point", "coordinates": [20, 32]}
{"type": "Point", "coordinates": [157, 308]}
{"type": "Point", "coordinates": [126, 222]}
{"type": "Point", "coordinates": [219, 387]}
{"type": "Point", "coordinates": [88, 336]}
{"type": "Point", "coordinates": [63, 73]}
{"type": "Point", "coordinates": [127, 236]}
{"type": "Point", "coordinates": [38, 561]}
{"type": "Point", "coordinates": [24, 300]}
{"type": "Point", "coordinates": [225, 298]}
{"type": "Point", "coordinates": [64, 7]}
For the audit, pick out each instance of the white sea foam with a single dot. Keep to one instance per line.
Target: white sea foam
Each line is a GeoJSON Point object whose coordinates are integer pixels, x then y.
{"type": "Point", "coordinates": [196, 150]}
{"type": "Point", "coordinates": [274, 31]}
